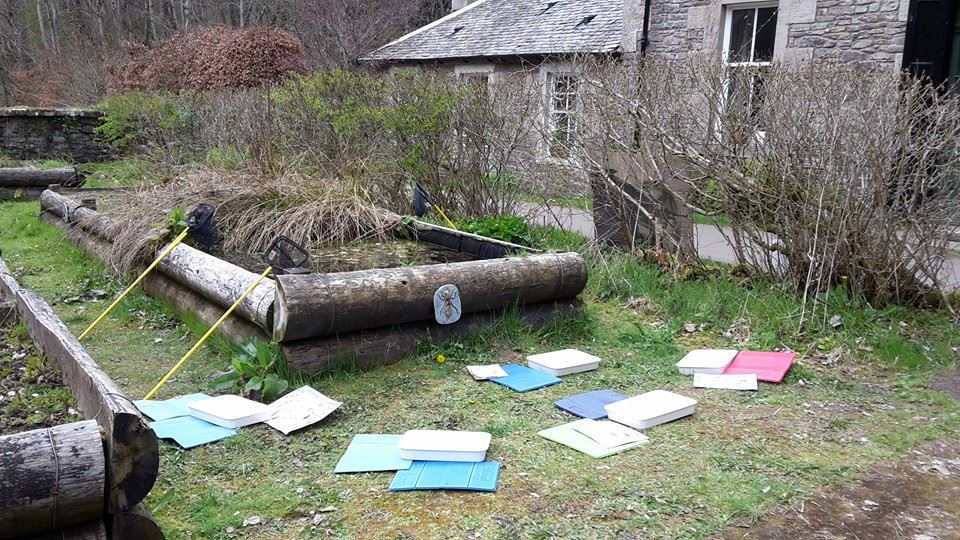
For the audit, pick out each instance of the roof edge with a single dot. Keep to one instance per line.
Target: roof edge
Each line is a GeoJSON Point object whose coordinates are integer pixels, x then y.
{"type": "Point", "coordinates": [369, 56]}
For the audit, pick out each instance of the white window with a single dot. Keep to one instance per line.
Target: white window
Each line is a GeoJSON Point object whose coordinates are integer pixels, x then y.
{"type": "Point", "coordinates": [474, 73]}
{"type": "Point", "coordinates": [561, 112]}
{"type": "Point", "coordinates": [749, 36]}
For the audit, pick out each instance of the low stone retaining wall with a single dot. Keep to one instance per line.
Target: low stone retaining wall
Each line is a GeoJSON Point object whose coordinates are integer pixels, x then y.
{"type": "Point", "coordinates": [67, 134]}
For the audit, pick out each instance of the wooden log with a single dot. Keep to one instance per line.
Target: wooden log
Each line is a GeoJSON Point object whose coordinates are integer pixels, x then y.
{"type": "Point", "coordinates": [478, 246]}
{"type": "Point", "coordinates": [71, 211]}
{"type": "Point", "coordinates": [323, 304]}
{"type": "Point", "coordinates": [221, 282]}
{"type": "Point", "coordinates": [368, 349]}
{"type": "Point", "coordinates": [51, 478]}
{"type": "Point", "coordinates": [19, 177]}
{"type": "Point", "coordinates": [133, 457]}
{"type": "Point", "coordinates": [135, 523]}
{"type": "Point", "coordinates": [94, 530]}
{"type": "Point", "coordinates": [184, 300]}
{"type": "Point", "coordinates": [217, 280]}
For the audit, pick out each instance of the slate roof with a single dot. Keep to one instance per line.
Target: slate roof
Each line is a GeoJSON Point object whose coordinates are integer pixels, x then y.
{"type": "Point", "coordinates": [509, 28]}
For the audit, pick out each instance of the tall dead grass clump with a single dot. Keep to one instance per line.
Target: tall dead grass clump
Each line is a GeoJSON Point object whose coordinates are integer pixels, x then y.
{"type": "Point", "coordinates": [252, 211]}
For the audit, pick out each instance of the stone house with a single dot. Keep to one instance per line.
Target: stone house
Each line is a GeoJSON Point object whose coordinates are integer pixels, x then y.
{"type": "Point", "coordinates": [484, 38]}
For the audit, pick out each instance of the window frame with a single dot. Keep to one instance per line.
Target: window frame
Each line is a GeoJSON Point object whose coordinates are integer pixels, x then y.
{"type": "Point", "coordinates": [549, 74]}
{"type": "Point", "coordinates": [728, 13]}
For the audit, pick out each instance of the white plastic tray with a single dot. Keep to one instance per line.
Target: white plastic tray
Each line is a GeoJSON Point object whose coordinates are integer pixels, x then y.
{"type": "Point", "coordinates": [563, 362]}
{"type": "Point", "coordinates": [706, 361]}
{"type": "Point", "coordinates": [437, 445]}
{"type": "Point", "coordinates": [650, 409]}
{"type": "Point", "coordinates": [230, 411]}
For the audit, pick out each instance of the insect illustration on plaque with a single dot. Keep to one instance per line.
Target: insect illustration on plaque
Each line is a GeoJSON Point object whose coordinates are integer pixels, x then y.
{"type": "Point", "coordinates": [446, 304]}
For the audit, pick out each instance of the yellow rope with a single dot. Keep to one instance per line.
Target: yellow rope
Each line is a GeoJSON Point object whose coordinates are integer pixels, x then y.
{"type": "Point", "coordinates": [153, 265]}
{"type": "Point", "coordinates": [209, 332]}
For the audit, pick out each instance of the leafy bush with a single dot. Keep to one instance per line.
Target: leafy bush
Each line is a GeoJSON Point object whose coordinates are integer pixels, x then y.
{"type": "Point", "coordinates": [507, 228]}
{"type": "Point", "coordinates": [152, 122]}
{"type": "Point", "coordinates": [258, 371]}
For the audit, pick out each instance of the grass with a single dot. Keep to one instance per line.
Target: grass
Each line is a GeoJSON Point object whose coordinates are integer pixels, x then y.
{"type": "Point", "coordinates": [741, 455]}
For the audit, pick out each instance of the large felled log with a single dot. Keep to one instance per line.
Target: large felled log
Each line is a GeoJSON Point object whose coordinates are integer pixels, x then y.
{"type": "Point", "coordinates": [381, 346]}
{"type": "Point", "coordinates": [135, 523]}
{"type": "Point", "coordinates": [25, 177]}
{"type": "Point", "coordinates": [70, 211]}
{"type": "Point", "coordinates": [51, 478]}
{"type": "Point", "coordinates": [159, 286]}
{"type": "Point", "coordinates": [187, 301]}
{"type": "Point", "coordinates": [94, 530]}
{"type": "Point", "coordinates": [132, 451]}
{"type": "Point", "coordinates": [322, 304]}
{"type": "Point", "coordinates": [221, 282]}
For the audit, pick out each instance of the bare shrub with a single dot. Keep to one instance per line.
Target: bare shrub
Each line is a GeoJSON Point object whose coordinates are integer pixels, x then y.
{"type": "Point", "coordinates": [830, 175]}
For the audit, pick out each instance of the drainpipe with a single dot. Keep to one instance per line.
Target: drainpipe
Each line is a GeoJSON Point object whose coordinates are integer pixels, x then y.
{"type": "Point", "coordinates": [645, 34]}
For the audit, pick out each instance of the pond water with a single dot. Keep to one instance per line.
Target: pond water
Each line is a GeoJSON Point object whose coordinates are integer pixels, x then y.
{"type": "Point", "coordinates": [359, 256]}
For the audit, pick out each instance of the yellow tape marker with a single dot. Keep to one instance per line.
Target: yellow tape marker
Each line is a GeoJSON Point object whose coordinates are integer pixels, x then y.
{"type": "Point", "coordinates": [208, 334]}
{"type": "Point", "coordinates": [164, 253]}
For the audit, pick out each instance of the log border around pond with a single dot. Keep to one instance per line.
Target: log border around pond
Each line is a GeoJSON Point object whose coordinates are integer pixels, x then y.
{"type": "Point", "coordinates": [546, 282]}
{"type": "Point", "coordinates": [132, 449]}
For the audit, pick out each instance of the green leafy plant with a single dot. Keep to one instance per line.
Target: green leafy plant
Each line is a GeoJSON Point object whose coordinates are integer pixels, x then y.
{"type": "Point", "coordinates": [176, 221]}
{"type": "Point", "coordinates": [507, 228]}
{"type": "Point", "coordinates": [257, 370]}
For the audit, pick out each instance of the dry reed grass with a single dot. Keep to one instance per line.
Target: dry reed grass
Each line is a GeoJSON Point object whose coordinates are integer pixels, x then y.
{"type": "Point", "coordinates": [252, 211]}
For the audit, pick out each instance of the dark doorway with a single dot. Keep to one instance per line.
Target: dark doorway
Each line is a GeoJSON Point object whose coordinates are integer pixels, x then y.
{"type": "Point", "coordinates": [932, 46]}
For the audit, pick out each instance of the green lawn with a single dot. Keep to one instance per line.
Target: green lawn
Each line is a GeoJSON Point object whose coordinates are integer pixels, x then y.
{"type": "Point", "coordinates": [741, 455]}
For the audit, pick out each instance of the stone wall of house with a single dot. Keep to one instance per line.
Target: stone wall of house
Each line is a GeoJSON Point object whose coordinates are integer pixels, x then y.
{"type": "Point", "coordinates": [67, 134]}
{"type": "Point", "coordinates": [870, 31]}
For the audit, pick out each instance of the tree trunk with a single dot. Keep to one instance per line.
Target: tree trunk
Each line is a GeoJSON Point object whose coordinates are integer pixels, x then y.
{"type": "Point", "coordinates": [51, 478]}
{"type": "Point", "coordinates": [317, 305]}
{"type": "Point", "coordinates": [133, 457]}
{"type": "Point", "coordinates": [381, 346]}
{"type": "Point", "coordinates": [31, 177]}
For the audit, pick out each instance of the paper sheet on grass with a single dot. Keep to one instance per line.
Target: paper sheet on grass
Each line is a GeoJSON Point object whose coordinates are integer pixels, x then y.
{"type": "Point", "coordinates": [725, 382]}
{"type": "Point", "coordinates": [299, 409]}
{"type": "Point", "coordinates": [569, 435]}
{"type": "Point", "coordinates": [482, 373]}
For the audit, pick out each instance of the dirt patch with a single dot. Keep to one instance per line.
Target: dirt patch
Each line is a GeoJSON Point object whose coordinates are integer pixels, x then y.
{"type": "Point", "coordinates": [32, 395]}
{"type": "Point", "coordinates": [916, 498]}
{"type": "Point", "coordinates": [948, 383]}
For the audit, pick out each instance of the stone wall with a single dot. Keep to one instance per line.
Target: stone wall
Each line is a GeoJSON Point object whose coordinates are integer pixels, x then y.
{"type": "Point", "coordinates": [864, 31]}
{"type": "Point", "coordinates": [67, 134]}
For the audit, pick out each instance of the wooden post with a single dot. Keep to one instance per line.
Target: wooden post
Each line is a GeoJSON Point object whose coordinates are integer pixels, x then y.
{"type": "Point", "coordinates": [51, 478]}
{"type": "Point", "coordinates": [133, 457]}
{"type": "Point", "coordinates": [322, 304]}
{"type": "Point", "coordinates": [367, 349]}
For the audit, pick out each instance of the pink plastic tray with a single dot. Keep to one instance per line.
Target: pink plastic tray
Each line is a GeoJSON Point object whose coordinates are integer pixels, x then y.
{"type": "Point", "coordinates": [768, 366]}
